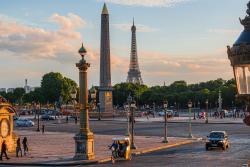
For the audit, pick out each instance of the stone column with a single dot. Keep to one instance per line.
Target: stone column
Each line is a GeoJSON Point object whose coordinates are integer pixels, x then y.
{"type": "Point", "coordinates": [84, 140]}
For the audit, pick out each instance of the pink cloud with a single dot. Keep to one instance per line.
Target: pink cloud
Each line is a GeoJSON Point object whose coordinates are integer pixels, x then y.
{"type": "Point", "coordinates": [33, 42]}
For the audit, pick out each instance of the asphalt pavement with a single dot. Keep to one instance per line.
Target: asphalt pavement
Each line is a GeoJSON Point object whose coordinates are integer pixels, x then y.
{"type": "Point", "coordinates": [188, 155]}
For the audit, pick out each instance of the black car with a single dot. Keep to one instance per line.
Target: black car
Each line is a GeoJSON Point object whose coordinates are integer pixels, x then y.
{"type": "Point", "coordinates": [217, 139]}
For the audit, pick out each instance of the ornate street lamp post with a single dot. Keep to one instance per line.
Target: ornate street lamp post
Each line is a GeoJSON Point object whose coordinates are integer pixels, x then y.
{"type": "Point", "coordinates": [38, 109]}
{"type": "Point", "coordinates": [194, 112]}
{"type": "Point", "coordinates": [190, 126]}
{"type": "Point", "coordinates": [133, 107]}
{"type": "Point", "coordinates": [73, 96]}
{"type": "Point", "coordinates": [84, 139]}
{"type": "Point", "coordinates": [239, 56]}
{"type": "Point", "coordinates": [206, 111]}
{"type": "Point", "coordinates": [165, 106]}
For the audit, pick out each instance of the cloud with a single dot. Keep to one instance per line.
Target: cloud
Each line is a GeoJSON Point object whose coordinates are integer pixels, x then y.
{"type": "Point", "coordinates": [72, 21]}
{"type": "Point", "coordinates": [224, 31]}
{"type": "Point", "coordinates": [38, 43]}
{"type": "Point", "coordinates": [147, 3]}
{"type": "Point", "coordinates": [139, 27]}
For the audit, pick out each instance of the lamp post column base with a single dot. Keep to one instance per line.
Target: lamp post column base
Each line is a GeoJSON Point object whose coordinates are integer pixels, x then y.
{"type": "Point", "coordinates": [84, 146]}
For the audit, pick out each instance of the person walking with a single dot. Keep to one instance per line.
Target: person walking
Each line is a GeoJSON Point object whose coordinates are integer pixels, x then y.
{"type": "Point", "coordinates": [4, 151]}
{"type": "Point", "coordinates": [18, 147]}
{"type": "Point", "coordinates": [25, 146]}
{"type": "Point", "coordinates": [43, 128]}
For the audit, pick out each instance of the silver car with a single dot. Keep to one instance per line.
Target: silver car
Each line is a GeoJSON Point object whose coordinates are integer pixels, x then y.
{"type": "Point", "coordinates": [24, 122]}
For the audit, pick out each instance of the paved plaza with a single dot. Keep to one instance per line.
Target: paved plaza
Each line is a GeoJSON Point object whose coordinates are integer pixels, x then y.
{"type": "Point", "coordinates": [59, 147]}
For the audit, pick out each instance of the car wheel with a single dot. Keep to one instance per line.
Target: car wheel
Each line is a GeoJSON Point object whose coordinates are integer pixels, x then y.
{"type": "Point", "coordinates": [207, 148]}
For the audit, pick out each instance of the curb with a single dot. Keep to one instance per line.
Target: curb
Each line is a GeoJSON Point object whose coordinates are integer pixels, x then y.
{"type": "Point", "coordinates": [208, 122]}
{"type": "Point", "coordinates": [104, 160]}
{"type": "Point", "coordinates": [169, 121]}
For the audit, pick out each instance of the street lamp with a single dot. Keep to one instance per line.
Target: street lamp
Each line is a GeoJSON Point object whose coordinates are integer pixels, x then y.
{"type": "Point", "coordinates": [190, 128]}
{"type": "Point", "coordinates": [165, 106]}
{"type": "Point", "coordinates": [194, 111]}
{"type": "Point", "coordinates": [84, 139]}
{"type": "Point", "coordinates": [199, 108]}
{"type": "Point", "coordinates": [73, 96]}
{"type": "Point", "coordinates": [206, 111]}
{"type": "Point", "coordinates": [126, 107]}
{"type": "Point", "coordinates": [99, 112]}
{"type": "Point", "coordinates": [133, 107]}
{"type": "Point", "coordinates": [38, 120]}
{"type": "Point", "coordinates": [129, 100]}
{"type": "Point", "coordinates": [239, 56]}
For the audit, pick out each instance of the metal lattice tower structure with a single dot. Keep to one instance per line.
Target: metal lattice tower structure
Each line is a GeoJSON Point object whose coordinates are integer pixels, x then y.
{"type": "Point", "coordinates": [134, 74]}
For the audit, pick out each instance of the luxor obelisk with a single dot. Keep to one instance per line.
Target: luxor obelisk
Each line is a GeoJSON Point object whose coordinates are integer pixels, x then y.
{"type": "Point", "coordinates": [105, 89]}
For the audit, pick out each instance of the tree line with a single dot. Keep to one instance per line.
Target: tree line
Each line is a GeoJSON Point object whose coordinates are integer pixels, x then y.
{"type": "Point", "coordinates": [179, 93]}
{"type": "Point", "coordinates": [55, 86]}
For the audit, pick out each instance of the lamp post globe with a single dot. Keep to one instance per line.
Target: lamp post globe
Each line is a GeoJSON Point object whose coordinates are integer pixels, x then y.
{"type": "Point", "coordinates": [239, 56]}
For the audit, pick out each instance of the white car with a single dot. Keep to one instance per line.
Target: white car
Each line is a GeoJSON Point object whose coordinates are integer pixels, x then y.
{"type": "Point", "coordinates": [24, 123]}
{"type": "Point", "coordinates": [169, 113]}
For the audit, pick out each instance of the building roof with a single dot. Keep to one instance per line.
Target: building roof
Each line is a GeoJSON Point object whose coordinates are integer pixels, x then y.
{"type": "Point", "coordinates": [243, 38]}
{"type": "Point", "coordinates": [105, 9]}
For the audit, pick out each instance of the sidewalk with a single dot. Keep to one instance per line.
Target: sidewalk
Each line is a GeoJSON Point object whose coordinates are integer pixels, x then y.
{"type": "Point", "coordinates": [58, 148]}
{"type": "Point", "coordinates": [184, 120]}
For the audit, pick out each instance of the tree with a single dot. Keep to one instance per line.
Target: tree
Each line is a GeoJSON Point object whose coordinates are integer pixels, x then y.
{"type": "Point", "coordinates": [18, 94]}
{"type": "Point", "coordinates": [54, 85]}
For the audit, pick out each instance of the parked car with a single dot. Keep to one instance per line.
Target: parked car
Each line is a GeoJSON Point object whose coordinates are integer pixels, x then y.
{"type": "Point", "coordinates": [47, 117]}
{"type": "Point", "coordinates": [24, 122]}
{"type": "Point", "coordinates": [170, 113]}
{"type": "Point", "coordinates": [217, 139]}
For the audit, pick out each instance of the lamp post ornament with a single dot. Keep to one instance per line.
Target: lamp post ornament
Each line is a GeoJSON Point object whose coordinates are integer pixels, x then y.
{"type": "Point", "coordinates": [84, 139]}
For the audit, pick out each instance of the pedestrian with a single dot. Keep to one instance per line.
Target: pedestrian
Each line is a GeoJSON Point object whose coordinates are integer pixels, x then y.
{"type": "Point", "coordinates": [43, 129]}
{"type": "Point", "coordinates": [25, 146]}
{"type": "Point", "coordinates": [75, 119]}
{"type": "Point", "coordinates": [18, 147]}
{"type": "Point", "coordinates": [4, 151]}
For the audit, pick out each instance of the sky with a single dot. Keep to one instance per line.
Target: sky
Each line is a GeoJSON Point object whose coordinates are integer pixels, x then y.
{"type": "Point", "coordinates": [176, 39]}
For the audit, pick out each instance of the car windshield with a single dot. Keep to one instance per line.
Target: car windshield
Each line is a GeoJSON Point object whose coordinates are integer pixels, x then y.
{"type": "Point", "coordinates": [216, 135]}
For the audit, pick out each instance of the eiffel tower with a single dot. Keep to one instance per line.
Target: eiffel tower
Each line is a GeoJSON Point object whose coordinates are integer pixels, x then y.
{"type": "Point", "coordinates": [134, 74]}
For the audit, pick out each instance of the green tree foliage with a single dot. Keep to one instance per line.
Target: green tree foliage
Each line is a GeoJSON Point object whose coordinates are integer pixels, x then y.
{"type": "Point", "coordinates": [54, 85]}
{"type": "Point", "coordinates": [122, 91]}
{"type": "Point", "coordinates": [179, 93]}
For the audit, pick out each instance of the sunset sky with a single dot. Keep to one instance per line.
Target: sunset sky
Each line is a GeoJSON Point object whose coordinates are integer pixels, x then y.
{"type": "Point", "coordinates": [177, 39]}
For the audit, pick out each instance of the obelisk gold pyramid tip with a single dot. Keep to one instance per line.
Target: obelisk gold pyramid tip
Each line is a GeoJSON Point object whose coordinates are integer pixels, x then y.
{"type": "Point", "coordinates": [105, 9]}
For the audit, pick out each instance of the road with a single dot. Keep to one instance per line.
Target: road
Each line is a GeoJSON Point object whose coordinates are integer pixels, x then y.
{"type": "Point", "coordinates": [191, 156]}
{"type": "Point", "coordinates": [188, 155]}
